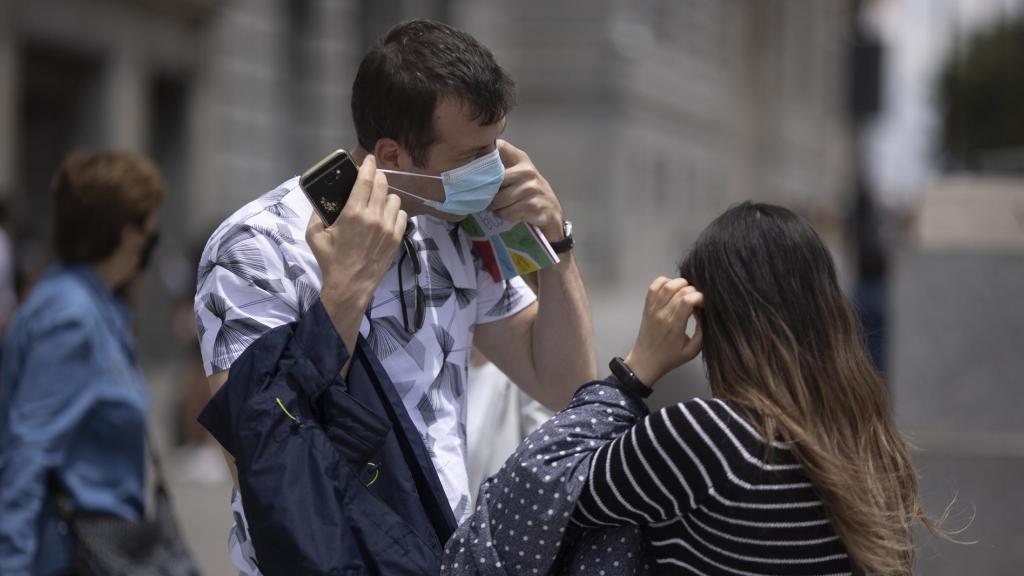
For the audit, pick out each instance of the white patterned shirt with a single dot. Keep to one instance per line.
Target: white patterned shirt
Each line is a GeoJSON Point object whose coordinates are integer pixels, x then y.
{"type": "Point", "coordinates": [257, 272]}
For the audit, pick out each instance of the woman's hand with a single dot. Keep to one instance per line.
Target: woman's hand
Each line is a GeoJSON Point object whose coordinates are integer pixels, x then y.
{"type": "Point", "coordinates": [663, 344]}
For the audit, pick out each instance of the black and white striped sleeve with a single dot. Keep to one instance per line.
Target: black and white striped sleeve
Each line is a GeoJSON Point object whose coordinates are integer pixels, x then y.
{"type": "Point", "coordinates": [653, 472]}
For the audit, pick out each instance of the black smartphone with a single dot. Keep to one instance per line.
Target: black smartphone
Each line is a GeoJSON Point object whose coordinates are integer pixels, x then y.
{"type": "Point", "coordinates": [328, 183]}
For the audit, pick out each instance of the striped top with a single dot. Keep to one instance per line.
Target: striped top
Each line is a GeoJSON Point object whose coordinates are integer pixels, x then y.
{"type": "Point", "coordinates": [694, 476]}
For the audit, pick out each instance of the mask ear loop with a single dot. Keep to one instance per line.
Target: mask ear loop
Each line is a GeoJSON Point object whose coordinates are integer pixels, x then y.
{"type": "Point", "coordinates": [403, 173]}
{"type": "Point", "coordinates": [427, 202]}
{"type": "Point", "coordinates": [420, 199]}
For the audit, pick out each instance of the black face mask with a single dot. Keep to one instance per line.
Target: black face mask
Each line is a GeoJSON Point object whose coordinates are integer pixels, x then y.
{"type": "Point", "coordinates": [144, 259]}
{"type": "Point", "coordinates": [147, 251]}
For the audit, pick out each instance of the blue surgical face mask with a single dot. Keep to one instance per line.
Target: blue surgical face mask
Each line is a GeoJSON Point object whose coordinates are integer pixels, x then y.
{"type": "Point", "coordinates": [468, 189]}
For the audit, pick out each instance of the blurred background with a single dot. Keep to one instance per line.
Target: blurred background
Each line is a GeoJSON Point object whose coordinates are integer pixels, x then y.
{"type": "Point", "coordinates": [895, 126]}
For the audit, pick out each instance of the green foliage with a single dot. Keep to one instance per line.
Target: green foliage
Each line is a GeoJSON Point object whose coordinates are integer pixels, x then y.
{"type": "Point", "coordinates": [981, 94]}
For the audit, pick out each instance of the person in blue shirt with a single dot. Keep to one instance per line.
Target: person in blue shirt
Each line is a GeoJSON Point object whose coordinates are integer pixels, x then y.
{"type": "Point", "coordinates": [73, 404]}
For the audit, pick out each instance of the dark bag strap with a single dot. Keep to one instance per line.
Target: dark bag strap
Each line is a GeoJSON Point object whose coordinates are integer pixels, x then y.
{"type": "Point", "coordinates": [159, 482]}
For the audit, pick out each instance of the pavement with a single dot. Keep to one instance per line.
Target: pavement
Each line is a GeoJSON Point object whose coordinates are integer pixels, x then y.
{"type": "Point", "coordinates": [198, 479]}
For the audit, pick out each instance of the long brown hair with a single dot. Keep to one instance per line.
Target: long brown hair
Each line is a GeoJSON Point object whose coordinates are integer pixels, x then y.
{"type": "Point", "coordinates": [782, 342]}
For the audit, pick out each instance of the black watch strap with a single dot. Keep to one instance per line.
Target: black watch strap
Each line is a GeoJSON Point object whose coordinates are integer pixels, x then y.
{"type": "Point", "coordinates": [625, 375]}
{"type": "Point", "coordinates": [567, 242]}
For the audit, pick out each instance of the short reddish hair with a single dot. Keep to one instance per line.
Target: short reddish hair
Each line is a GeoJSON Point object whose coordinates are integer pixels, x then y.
{"type": "Point", "coordinates": [95, 193]}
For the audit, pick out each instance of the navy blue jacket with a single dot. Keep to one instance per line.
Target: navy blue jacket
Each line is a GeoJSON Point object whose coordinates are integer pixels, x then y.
{"type": "Point", "coordinates": [333, 474]}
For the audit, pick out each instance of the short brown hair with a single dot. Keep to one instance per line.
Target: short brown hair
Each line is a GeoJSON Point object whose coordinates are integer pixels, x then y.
{"type": "Point", "coordinates": [95, 193]}
{"type": "Point", "coordinates": [410, 69]}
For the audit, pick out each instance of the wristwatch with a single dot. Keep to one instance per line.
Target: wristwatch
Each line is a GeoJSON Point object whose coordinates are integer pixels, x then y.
{"type": "Point", "coordinates": [567, 241]}
{"type": "Point", "coordinates": [625, 375]}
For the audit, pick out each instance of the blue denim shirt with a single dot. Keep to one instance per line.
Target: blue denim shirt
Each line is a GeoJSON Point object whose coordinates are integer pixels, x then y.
{"type": "Point", "coordinates": [72, 403]}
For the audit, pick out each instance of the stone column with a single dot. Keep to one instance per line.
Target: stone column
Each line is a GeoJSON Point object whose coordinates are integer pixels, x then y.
{"type": "Point", "coordinates": [125, 101]}
{"type": "Point", "coordinates": [8, 101]}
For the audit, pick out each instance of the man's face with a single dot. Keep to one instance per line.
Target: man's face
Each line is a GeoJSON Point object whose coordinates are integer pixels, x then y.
{"type": "Point", "coordinates": [459, 140]}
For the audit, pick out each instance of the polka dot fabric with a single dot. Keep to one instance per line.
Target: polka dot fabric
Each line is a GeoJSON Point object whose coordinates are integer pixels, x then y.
{"type": "Point", "coordinates": [521, 522]}
{"type": "Point", "coordinates": [606, 552]}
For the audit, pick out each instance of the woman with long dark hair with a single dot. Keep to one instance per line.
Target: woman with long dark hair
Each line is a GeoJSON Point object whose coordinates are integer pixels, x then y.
{"type": "Point", "coordinates": [794, 466]}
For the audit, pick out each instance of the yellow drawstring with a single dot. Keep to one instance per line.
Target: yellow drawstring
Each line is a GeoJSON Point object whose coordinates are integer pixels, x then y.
{"type": "Point", "coordinates": [376, 473]}
{"type": "Point", "coordinates": [289, 414]}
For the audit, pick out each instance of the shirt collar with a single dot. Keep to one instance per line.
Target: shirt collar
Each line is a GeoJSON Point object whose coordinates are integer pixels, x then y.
{"type": "Point", "coordinates": [110, 306]}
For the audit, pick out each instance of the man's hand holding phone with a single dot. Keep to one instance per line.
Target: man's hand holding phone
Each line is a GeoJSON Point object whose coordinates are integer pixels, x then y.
{"type": "Point", "coordinates": [356, 250]}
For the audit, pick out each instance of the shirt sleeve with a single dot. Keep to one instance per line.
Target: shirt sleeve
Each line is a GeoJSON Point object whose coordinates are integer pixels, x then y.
{"type": "Point", "coordinates": [524, 511]}
{"type": "Point", "coordinates": [499, 300]}
{"type": "Point", "coordinates": [43, 412]}
{"type": "Point", "coordinates": [244, 289]}
{"type": "Point", "coordinates": [651, 473]}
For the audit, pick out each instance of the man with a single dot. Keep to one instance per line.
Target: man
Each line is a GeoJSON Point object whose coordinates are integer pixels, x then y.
{"type": "Point", "coordinates": [427, 100]}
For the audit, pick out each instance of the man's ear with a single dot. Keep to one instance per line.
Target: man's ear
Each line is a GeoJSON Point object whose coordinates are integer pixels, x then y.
{"type": "Point", "coordinates": [388, 152]}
